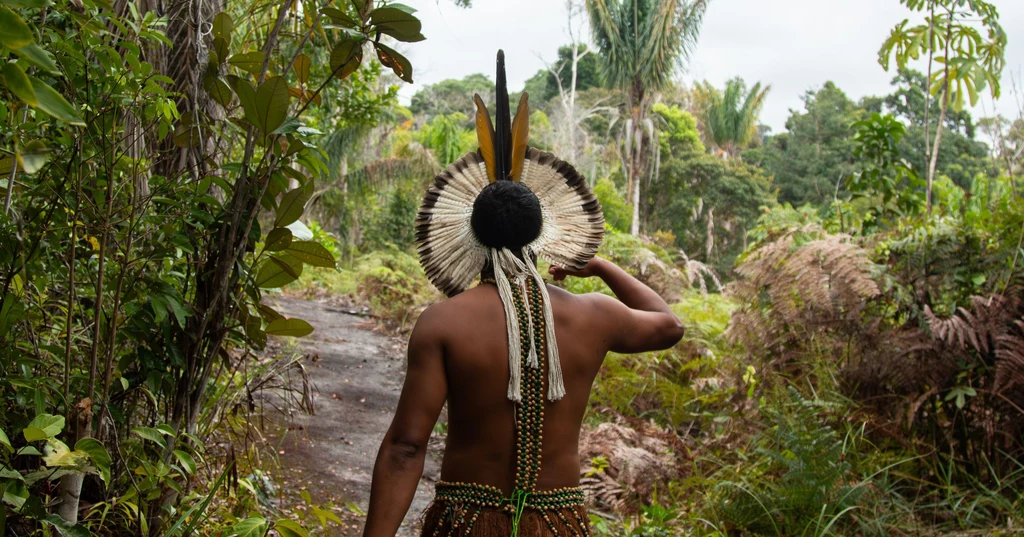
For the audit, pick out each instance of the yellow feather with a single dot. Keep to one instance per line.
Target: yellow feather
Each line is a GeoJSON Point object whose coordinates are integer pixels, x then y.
{"type": "Point", "coordinates": [520, 136]}
{"type": "Point", "coordinates": [485, 136]}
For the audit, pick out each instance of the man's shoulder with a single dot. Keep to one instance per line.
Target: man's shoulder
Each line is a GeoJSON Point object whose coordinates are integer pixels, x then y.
{"type": "Point", "coordinates": [460, 304]}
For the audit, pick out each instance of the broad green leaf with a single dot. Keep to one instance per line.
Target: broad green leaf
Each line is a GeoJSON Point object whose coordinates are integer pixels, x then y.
{"type": "Point", "coordinates": [397, 23]}
{"type": "Point", "coordinates": [4, 441]}
{"type": "Point", "coordinates": [346, 57]}
{"type": "Point", "coordinates": [12, 310]}
{"type": "Point", "coordinates": [272, 100]}
{"type": "Point", "coordinates": [312, 253]}
{"type": "Point", "coordinates": [324, 515]}
{"type": "Point", "coordinates": [43, 426]}
{"type": "Point", "coordinates": [222, 49]}
{"type": "Point", "coordinates": [15, 494]}
{"type": "Point", "coordinates": [17, 81]}
{"type": "Point", "coordinates": [248, 61]}
{"type": "Point", "coordinates": [10, 473]}
{"type": "Point", "coordinates": [339, 17]}
{"type": "Point", "coordinates": [217, 89]}
{"type": "Point", "coordinates": [97, 454]}
{"type": "Point", "coordinates": [269, 314]}
{"type": "Point", "coordinates": [302, 67]}
{"type": "Point", "coordinates": [67, 529]}
{"type": "Point", "coordinates": [289, 528]}
{"type": "Point", "coordinates": [290, 125]}
{"type": "Point", "coordinates": [403, 7]}
{"type": "Point", "coordinates": [39, 57]}
{"type": "Point", "coordinates": [389, 57]}
{"type": "Point", "coordinates": [223, 26]}
{"type": "Point", "coordinates": [33, 156]}
{"type": "Point", "coordinates": [278, 239]}
{"type": "Point", "coordinates": [58, 453]}
{"type": "Point", "coordinates": [186, 460]}
{"type": "Point", "coordinates": [292, 206]}
{"type": "Point", "coordinates": [52, 103]}
{"type": "Point", "coordinates": [278, 271]}
{"type": "Point", "coordinates": [247, 97]}
{"type": "Point", "coordinates": [289, 327]}
{"type": "Point", "coordinates": [250, 527]}
{"type": "Point", "coordinates": [14, 33]}
{"type": "Point", "coordinates": [151, 434]}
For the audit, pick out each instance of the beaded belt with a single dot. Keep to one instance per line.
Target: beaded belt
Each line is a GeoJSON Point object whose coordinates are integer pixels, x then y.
{"type": "Point", "coordinates": [464, 502]}
{"type": "Point", "coordinates": [529, 423]}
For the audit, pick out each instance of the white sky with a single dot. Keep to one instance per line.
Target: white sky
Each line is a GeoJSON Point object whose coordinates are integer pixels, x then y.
{"type": "Point", "coordinates": [794, 45]}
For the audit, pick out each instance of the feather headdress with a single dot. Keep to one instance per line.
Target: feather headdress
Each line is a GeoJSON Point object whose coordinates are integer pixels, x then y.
{"type": "Point", "coordinates": [571, 230]}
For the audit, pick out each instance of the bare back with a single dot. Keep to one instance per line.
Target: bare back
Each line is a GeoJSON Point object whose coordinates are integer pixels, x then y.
{"type": "Point", "coordinates": [458, 352]}
{"type": "Point", "coordinates": [481, 426]}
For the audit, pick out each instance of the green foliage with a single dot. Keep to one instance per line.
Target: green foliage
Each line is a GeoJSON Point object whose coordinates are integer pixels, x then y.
{"type": "Point", "coordinates": [394, 285]}
{"type": "Point", "coordinates": [679, 133]}
{"type": "Point", "coordinates": [447, 137]}
{"type": "Point", "coordinates": [816, 151]}
{"type": "Point", "coordinates": [730, 115]}
{"type": "Point", "coordinates": [708, 204]}
{"type": "Point", "coordinates": [960, 157]}
{"type": "Point", "coordinates": [394, 223]}
{"type": "Point", "coordinates": [883, 173]}
{"type": "Point", "coordinates": [616, 212]}
{"type": "Point", "coordinates": [797, 477]}
{"type": "Point", "coordinates": [968, 61]}
{"type": "Point", "coordinates": [149, 198]}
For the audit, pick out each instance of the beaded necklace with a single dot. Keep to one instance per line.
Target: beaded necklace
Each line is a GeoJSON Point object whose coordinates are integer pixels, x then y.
{"type": "Point", "coordinates": [465, 501]}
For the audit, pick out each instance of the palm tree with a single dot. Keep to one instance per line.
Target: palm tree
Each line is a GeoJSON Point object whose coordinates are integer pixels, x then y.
{"type": "Point", "coordinates": [643, 43]}
{"type": "Point", "coordinates": [729, 116]}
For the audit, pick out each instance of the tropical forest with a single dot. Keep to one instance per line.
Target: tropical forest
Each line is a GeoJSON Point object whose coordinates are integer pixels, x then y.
{"type": "Point", "coordinates": [209, 272]}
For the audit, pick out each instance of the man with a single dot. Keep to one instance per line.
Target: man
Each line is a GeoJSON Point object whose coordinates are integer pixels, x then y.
{"type": "Point", "coordinates": [511, 463]}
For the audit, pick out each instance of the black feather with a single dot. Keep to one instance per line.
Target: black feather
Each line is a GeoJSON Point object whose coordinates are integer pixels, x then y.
{"type": "Point", "coordinates": [503, 123]}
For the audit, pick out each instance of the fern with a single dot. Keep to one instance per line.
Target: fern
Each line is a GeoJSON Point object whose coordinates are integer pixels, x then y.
{"type": "Point", "coordinates": [792, 290]}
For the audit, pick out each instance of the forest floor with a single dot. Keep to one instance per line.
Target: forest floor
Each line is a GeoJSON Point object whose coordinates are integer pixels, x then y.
{"type": "Point", "coordinates": [356, 375]}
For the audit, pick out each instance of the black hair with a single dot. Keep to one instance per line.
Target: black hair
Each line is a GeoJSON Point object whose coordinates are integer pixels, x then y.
{"type": "Point", "coordinates": [506, 214]}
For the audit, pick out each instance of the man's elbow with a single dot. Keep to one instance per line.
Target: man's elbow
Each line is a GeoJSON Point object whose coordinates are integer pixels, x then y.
{"type": "Point", "coordinates": [401, 452]}
{"type": "Point", "coordinates": [672, 331]}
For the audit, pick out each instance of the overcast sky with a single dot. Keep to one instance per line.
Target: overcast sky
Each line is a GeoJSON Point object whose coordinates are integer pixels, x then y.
{"type": "Point", "coordinates": [794, 45]}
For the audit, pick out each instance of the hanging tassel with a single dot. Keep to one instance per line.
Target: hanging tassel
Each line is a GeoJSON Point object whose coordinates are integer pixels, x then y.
{"type": "Point", "coordinates": [556, 385]}
{"type": "Point", "coordinates": [515, 352]}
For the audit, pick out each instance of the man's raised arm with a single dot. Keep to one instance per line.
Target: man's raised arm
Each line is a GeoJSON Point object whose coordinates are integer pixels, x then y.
{"type": "Point", "coordinates": [399, 463]}
{"type": "Point", "coordinates": [639, 321]}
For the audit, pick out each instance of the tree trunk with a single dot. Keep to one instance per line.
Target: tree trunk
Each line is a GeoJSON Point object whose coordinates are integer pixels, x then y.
{"type": "Point", "coordinates": [935, 150]}
{"type": "Point", "coordinates": [927, 90]}
{"type": "Point", "coordinates": [635, 161]}
{"type": "Point", "coordinates": [938, 129]}
{"type": "Point", "coordinates": [709, 244]}
{"type": "Point", "coordinates": [634, 228]}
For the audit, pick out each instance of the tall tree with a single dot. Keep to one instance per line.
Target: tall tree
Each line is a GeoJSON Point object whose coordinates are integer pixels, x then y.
{"type": "Point", "coordinates": [952, 41]}
{"type": "Point", "coordinates": [643, 43]}
{"type": "Point", "coordinates": [816, 152]}
{"type": "Point", "coordinates": [730, 115]}
{"type": "Point", "coordinates": [960, 156]}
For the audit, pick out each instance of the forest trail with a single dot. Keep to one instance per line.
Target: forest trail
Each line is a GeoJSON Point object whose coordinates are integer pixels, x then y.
{"type": "Point", "coordinates": [357, 377]}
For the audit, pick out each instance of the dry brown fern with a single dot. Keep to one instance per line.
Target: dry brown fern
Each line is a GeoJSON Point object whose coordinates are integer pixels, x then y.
{"type": "Point", "coordinates": [792, 290]}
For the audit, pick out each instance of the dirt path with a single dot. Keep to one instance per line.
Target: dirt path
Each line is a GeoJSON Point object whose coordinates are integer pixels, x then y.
{"type": "Point", "coordinates": [357, 376]}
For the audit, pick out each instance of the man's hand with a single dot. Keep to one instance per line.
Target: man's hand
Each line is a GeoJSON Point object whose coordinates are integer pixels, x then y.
{"type": "Point", "coordinates": [592, 268]}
